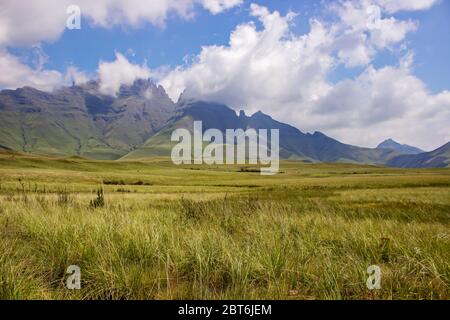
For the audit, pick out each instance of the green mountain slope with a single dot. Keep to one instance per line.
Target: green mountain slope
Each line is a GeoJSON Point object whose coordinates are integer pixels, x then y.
{"type": "Point", "coordinates": [79, 120]}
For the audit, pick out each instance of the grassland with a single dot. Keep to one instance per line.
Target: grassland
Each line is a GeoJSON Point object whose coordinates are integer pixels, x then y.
{"type": "Point", "coordinates": [167, 232]}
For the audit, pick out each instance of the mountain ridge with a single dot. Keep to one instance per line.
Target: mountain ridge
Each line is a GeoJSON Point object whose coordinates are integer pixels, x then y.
{"type": "Point", "coordinates": [136, 123]}
{"type": "Point", "coordinates": [294, 144]}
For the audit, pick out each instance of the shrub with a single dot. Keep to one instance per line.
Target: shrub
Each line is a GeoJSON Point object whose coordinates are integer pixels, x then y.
{"type": "Point", "coordinates": [99, 201]}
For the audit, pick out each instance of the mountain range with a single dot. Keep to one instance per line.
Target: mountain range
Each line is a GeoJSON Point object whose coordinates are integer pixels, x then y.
{"type": "Point", "coordinates": [137, 123]}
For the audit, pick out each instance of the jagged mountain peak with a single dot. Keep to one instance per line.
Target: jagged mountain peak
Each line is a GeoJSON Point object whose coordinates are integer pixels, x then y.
{"type": "Point", "coordinates": [145, 88]}
{"type": "Point", "coordinates": [261, 115]}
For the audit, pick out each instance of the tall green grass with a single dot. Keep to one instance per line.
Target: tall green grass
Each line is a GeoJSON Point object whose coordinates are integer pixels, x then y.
{"type": "Point", "coordinates": [290, 237]}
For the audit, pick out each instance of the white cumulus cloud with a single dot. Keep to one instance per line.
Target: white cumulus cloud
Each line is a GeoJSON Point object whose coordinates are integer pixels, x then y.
{"type": "Point", "coordinates": [286, 75]}
{"type": "Point", "coordinates": [15, 74]}
{"type": "Point", "coordinates": [258, 66]}
{"type": "Point", "coordinates": [28, 23]}
{"type": "Point", "coordinates": [33, 21]}
{"type": "Point", "coordinates": [75, 76]}
{"type": "Point", "coordinates": [406, 5]}
{"type": "Point", "coordinates": [217, 6]}
{"type": "Point", "coordinates": [364, 28]}
{"type": "Point", "coordinates": [381, 103]}
{"type": "Point", "coordinates": [113, 75]}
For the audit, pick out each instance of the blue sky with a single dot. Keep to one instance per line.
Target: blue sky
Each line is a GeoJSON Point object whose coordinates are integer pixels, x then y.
{"type": "Point", "coordinates": [170, 44]}
{"type": "Point", "coordinates": [166, 45]}
{"type": "Point", "coordinates": [431, 43]}
{"type": "Point", "coordinates": [331, 66]}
